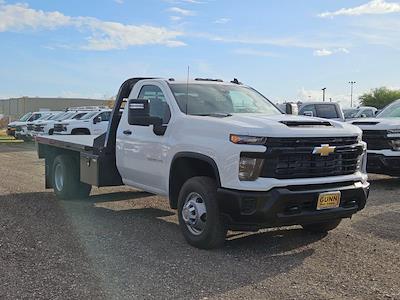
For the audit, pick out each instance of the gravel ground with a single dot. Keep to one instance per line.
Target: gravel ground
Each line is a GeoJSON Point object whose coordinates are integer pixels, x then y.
{"type": "Point", "coordinates": [126, 244]}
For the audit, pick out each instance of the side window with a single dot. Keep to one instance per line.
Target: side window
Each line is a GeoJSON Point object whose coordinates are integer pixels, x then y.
{"type": "Point", "coordinates": [34, 117]}
{"type": "Point", "coordinates": [78, 116]}
{"type": "Point", "coordinates": [368, 113]}
{"type": "Point", "coordinates": [327, 111]}
{"type": "Point", "coordinates": [158, 104]}
{"type": "Point", "coordinates": [309, 107]}
{"type": "Point", "coordinates": [105, 116]}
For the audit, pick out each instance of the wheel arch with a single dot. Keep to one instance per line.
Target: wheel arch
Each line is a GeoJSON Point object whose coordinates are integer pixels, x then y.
{"type": "Point", "coordinates": [80, 129]}
{"type": "Point", "coordinates": [185, 165]}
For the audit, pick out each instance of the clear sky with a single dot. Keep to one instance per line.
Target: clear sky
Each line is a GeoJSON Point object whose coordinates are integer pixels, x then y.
{"type": "Point", "coordinates": [287, 49]}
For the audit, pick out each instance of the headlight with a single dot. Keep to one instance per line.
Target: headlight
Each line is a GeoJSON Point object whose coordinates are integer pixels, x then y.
{"type": "Point", "coordinates": [394, 133]}
{"type": "Point", "coordinates": [359, 138]}
{"type": "Point", "coordinates": [246, 139]}
{"type": "Point", "coordinates": [250, 168]}
{"type": "Point", "coordinates": [395, 144]}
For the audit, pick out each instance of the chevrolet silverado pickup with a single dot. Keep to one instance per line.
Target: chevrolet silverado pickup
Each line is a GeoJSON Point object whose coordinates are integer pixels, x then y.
{"type": "Point", "coordinates": [224, 156]}
{"type": "Point", "coordinates": [382, 135]}
{"type": "Point", "coordinates": [94, 122]}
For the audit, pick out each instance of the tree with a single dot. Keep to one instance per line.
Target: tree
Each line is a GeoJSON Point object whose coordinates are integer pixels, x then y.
{"type": "Point", "coordinates": [379, 97]}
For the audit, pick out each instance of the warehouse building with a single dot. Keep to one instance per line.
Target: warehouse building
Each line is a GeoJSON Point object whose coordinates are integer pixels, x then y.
{"type": "Point", "coordinates": [16, 107]}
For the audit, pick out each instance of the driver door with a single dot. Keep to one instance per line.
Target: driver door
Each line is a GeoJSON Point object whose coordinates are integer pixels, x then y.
{"type": "Point", "coordinates": [142, 154]}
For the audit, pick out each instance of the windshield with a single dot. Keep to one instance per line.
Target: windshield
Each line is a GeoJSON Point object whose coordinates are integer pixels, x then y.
{"type": "Point", "coordinates": [350, 113]}
{"type": "Point", "coordinates": [89, 115]}
{"type": "Point", "coordinates": [390, 111]}
{"type": "Point", "coordinates": [66, 116]}
{"type": "Point", "coordinates": [56, 116]}
{"type": "Point", "coordinates": [25, 117]}
{"type": "Point", "coordinates": [208, 99]}
{"type": "Point", "coordinates": [45, 117]}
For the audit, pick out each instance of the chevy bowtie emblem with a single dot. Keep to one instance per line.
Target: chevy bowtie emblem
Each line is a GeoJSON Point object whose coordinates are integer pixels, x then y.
{"type": "Point", "coordinates": [324, 150]}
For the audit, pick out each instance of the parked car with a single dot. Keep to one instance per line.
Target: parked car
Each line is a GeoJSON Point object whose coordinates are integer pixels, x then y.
{"type": "Point", "coordinates": [326, 110]}
{"type": "Point", "coordinates": [225, 156]}
{"type": "Point", "coordinates": [21, 129]}
{"type": "Point", "coordinates": [360, 112]}
{"type": "Point", "coordinates": [46, 127]}
{"type": "Point", "coordinates": [382, 135]}
{"type": "Point", "coordinates": [94, 122]}
{"type": "Point", "coordinates": [12, 125]}
{"type": "Point", "coordinates": [30, 126]}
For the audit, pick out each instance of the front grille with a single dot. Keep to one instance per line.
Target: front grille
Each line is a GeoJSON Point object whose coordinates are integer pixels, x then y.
{"type": "Point", "coordinates": [30, 126]}
{"type": "Point", "coordinates": [58, 127]}
{"type": "Point", "coordinates": [376, 139]}
{"type": "Point", "coordinates": [288, 158]}
{"type": "Point", "coordinates": [18, 128]}
{"type": "Point", "coordinates": [38, 128]}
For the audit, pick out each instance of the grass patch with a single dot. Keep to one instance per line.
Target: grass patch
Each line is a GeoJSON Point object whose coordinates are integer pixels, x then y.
{"type": "Point", "coordinates": [4, 138]}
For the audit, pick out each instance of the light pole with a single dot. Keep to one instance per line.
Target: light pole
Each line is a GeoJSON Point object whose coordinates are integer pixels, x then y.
{"type": "Point", "coordinates": [351, 92]}
{"type": "Point", "coordinates": [323, 94]}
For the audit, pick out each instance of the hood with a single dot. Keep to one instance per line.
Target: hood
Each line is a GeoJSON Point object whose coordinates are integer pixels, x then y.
{"type": "Point", "coordinates": [377, 123]}
{"type": "Point", "coordinates": [72, 121]}
{"type": "Point", "coordinates": [285, 125]}
{"type": "Point", "coordinates": [17, 123]}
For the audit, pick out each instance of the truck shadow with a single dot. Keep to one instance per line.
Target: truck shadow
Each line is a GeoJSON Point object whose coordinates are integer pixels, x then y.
{"type": "Point", "coordinates": [383, 191]}
{"type": "Point", "coordinates": [144, 253]}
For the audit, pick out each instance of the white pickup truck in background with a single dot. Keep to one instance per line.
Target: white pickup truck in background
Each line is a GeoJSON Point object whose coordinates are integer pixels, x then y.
{"type": "Point", "coordinates": [94, 122]}
{"type": "Point", "coordinates": [46, 127]}
{"type": "Point", "coordinates": [21, 127]}
{"type": "Point", "coordinates": [382, 135]}
{"type": "Point", "coordinates": [225, 156]}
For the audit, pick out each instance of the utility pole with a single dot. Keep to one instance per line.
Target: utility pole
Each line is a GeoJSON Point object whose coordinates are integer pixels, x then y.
{"type": "Point", "coordinates": [323, 94]}
{"type": "Point", "coordinates": [351, 92]}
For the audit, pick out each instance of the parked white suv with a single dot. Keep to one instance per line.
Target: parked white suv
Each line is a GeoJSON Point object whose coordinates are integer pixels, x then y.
{"type": "Point", "coordinates": [94, 122]}
{"type": "Point", "coordinates": [382, 135]}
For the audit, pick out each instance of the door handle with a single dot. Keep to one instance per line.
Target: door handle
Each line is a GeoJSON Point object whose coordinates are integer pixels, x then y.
{"type": "Point", "coordinates": [127, 132]}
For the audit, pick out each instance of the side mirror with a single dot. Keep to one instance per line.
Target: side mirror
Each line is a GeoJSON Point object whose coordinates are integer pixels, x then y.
{"type": "Point", "coordinates": [139, 113]}
{"type": "Point", "coordinates": [308, 113]}
{"type": "Point", "coordinates": [96, 120]}
{"type": "Point", "coordinates": [291, 109]}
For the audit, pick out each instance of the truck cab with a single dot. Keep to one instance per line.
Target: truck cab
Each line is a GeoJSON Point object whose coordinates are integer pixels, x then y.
{"type": "Point", "coordinates": [326, 110]}
{"type": "Point", "coordinates": [224, 156]}
{"type": "Point", "coordinates": [382, 135]}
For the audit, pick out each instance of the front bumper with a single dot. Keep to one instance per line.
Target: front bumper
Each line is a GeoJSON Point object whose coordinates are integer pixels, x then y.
{"type": "Point", "coordinates": [292, 205]}
{"type": "Point", "coordinates": [10, 131]}
{"type": "Point", "coordinates": [382, 164]}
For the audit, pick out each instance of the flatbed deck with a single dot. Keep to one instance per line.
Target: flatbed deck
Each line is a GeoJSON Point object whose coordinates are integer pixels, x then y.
{"type": "Point", "coordinates": [73, 142]}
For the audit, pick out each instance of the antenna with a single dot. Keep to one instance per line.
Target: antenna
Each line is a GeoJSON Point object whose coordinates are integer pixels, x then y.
{"type": "Point", "coordinates": [187, 89]}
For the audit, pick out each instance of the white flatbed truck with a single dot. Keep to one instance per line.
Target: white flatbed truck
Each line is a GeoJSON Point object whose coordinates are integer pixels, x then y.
{"type": "Point", "coordinates": [224, 156]}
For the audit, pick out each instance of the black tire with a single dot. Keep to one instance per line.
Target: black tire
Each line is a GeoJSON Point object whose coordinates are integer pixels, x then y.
{"type": "Point", "coordinates": [214, 232]}
{"type": "Point", "coordinates": [71, 187]}
{"type": "Point", "coordinates": [322, 227]}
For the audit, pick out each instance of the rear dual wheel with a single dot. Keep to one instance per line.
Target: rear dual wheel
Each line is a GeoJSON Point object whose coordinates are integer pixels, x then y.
{"type": "Point", "coordinates": [66, 181]}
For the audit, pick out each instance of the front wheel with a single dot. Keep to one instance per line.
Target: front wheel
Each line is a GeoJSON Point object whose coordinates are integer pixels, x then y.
{"type": "Point", "coordinates": [198, 213]}
{"type": "Point", "coordinates": [66, 181]}
{"type": "Point", "coordinates": [322, 227]}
